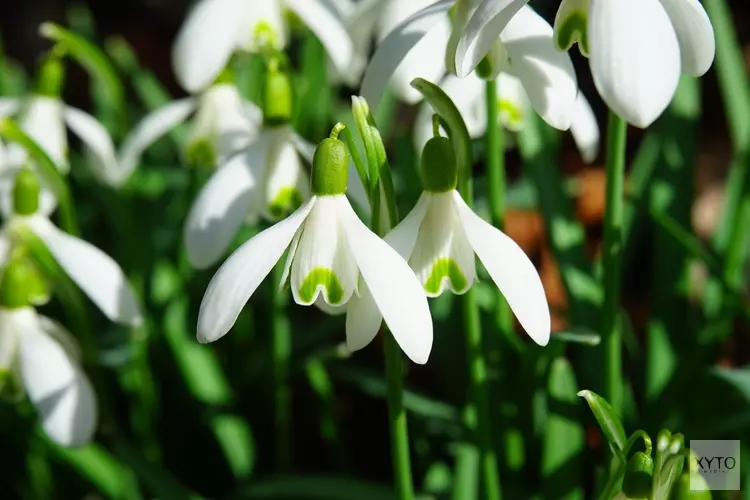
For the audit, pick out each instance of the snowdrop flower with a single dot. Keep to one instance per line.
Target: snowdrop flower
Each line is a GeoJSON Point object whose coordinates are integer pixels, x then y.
{"type": "Point", "coordinates": [330, 249]}
{"type": "Point", "coordinates": [44, 117]}
{"type": "Point", "coordinates": [524, 47]}
{"type": "Point", "coordinates": [96, 273]}
{"type": "Point", "coordinates": [637, 49]}
{"type": "Point", "coordinates": [44, 357]}
{"type": "Point", "coordinates": [223, 123]}
{"type": "Point", "coordinates": [440, 237]}
{"type": "Point", "coordinates": [214, 29]}
{"type": "Point", "coordinates": [468, 94]}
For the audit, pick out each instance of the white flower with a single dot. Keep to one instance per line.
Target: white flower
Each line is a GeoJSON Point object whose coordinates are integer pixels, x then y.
{"type": "Point", "coordinates": [523, 47]}
{"type": "Point", "coordinates": [223, 123]}
{"type": "Point", "coordinates": [95, 272]}
{"type": "Point", "coordinates": [265, 179]}
{"type": "Point", "coordinates": [45, 118]}
{"type": "Point", "coordinates": [440, 237]}
{"type": "Point", "coordinates": [469, 96]}
{"type": "Point", "coordinates": [214, 29]}
{"type": "Point", "coordinates": [329, 249]}
{"type": "Point", "coordinates": [637, 49]}
{"type": "Point", "coordinates": [44, 356]}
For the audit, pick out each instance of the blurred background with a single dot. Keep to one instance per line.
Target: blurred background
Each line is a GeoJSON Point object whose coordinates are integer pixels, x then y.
{"type": "Point", "coordinates": [198, 420]}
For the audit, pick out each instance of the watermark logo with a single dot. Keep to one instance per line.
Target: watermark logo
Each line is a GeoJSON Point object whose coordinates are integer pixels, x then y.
{"type": "Point", "coordinates": [716, 465]}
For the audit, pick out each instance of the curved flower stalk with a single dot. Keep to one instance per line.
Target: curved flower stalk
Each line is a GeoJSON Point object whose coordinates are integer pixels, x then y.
{"type": "Point", "coordinates": [637, 49]}
{"type": "Point", "coordinates": [513, 104]}
{"type": "Point", "coordinates": [43, 358]}
{"type": "Point", "coordinates": [214, 29]}
{"type": "Point", "coordinates": [223, 122]}
{"type": "Point", "coordinates": [524, 48]}
{"type": "Point", "coordinates": [332, 257]}
{"type": "Point", "coordinates": [440, 237]}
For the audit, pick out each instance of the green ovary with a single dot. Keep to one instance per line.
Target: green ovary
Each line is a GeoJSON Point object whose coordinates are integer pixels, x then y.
{"type": "Point", "coordinates": [574, 30]}
{"type": "Point", "coordinates": [286, 201]}
{"type": "Point", "coordinates": [445, 267]}
{"type": "Point", "coordinates": [321, 276]}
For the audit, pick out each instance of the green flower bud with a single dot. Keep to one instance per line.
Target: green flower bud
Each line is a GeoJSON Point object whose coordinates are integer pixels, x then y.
{"type": "Point", "coordinates": [51, 77]}
{"type": "Point", "coordinates": [26, 193]}
{"type": "Point", "coordinates": [330, 170]}
{"type": "Point", "coordinates": [277, 96]}
{"type": "Point", "coordinates": [437, 167]}
{"type": "Point", "coordinates": [11, 389]}
{"type": "Point", "coordinates": [636, 485]}
{"type": "Point", "coordinates": [681, 490]}
{"type": "Point", "coordinates": [200, 153]}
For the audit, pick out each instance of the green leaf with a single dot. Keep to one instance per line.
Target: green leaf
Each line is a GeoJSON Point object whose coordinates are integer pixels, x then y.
{"type": "Point", "coordinates": [608, 420]}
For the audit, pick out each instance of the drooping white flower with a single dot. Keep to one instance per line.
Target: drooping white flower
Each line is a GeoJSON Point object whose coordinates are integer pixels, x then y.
{"type": "Point", "coordinates": [214, 29]}
{"type": "Point", "coordinates": [45, 120]}
{"type": "Point", "coordinates": [469, 96]}
{"type": "Point", "coordinates": [265, 179]}
{"type": "Point", "coordinates": [524, 48]}
{"type": "Point", "coordinates": [440, 237]}
{"type": "Point", "coordinates": [44, 357]}
{"type": "Point", "coordinates": [332, 257]}
{"type": "Point", "coordinates": [637, 49]}
{"type": "Point", "coordinates": [223, 123]}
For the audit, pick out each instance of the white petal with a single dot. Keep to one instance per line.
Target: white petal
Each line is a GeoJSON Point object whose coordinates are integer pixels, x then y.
{"type": "Point", "coordinates": [99, 144]}
{"type": "Point", "coordinates": [571, 22]}
{"type": "Point", "coordinates": [42, 119]}
{"type": "Point", "coordinates": [149, 130]}
{"type": "Point", "coordinates": [321, 304]}
{"type": "Point", "coordinates": [585, 129]}
{"type": "Point", "coordinates": [634, 57]}
{"type": "Point", "coordinates": [328, 28]}
{"type": "Point", "coordinates": [547, 74]}
{"type": "Point", "coordinates": [98, 275]}
{"type": "Point", "coordinates": [485, 25]}
{"type": "Point", "coordinates": [285, 181]}
{"type": "Point", "coordinates": [513, 102]}
{"type": "Point", "coordinates": [206, 41]}
{"type": "Point", "coordinates": [511, 270]}
{"type": "Point", "coordinates": [403, 237]}
{"type": "Point", "coordinates": [395, 47]}
{"type": "Point", "coordinates": [221, 206]}
{"type": "Point", "coordinates": [359, 18]}
{"type": "Point", "coordinates": [694, 33]}
{"type": "Point", "coordinates": [243, 271]}
{"type": "Point", "coordinates": [56, 386]}
{"type": "Point", "coordinates": [442, 257]}
{"type": "Point", "coordinates": [363, 319]}
{"type": "Point", "coordinates": [323, 263]}
{"type": "Point", "coordinates": [9, 106]}
{"type": "Point", "coordinates": [62, 336]}
{"type": "Point", "coordinates": [395, 290]}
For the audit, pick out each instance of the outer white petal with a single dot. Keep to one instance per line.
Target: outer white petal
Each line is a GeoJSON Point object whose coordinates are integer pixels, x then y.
{"type": "Point", "coordinates": [483, 28]}
{"type": "Point", "coordinates": [359, 19]}
{"type": "Point", "coordinates": [547, 74]}
{"type": "Point", "coordinates": [634, 57]}
{"type": "Point", "coordinates": [56, 386]}
{"type": "Point", "coordinates": [328, 28]}
{"type": "Point", "coordinates": [403, 237]}
{"type": "Point", "coordinates": [149, 130]}
{"type": "Point", "coordinates": [695, 34]}
{"type": "Point", "coordinates": [323, 245]}
{"type": "Point", "coordinates": [511, 270]}
{"type": "Point", "coordinates": [285, 181]}
{"type": "Point", "coordinates": [99, 144]}
{"type": "Point", "coordinates": [395, 290]}
{"type": "Point", "coordinates": [394, 48]}
{"type": "Point", "coordinates": [98, 275]}
{"type": "Point", "coordinates": [221, 206]}
{"type": "Point", "coordinates": [206, 41]}
{"type": "Point", "coordinates": [42, 119]}
{"type": "Point", "coordinates": [243, 271]}
{"type": "Point", "coordinates": [9, 106]}
{"type": "Point", "coordinates": [321, 304]}
{"type": "Point", "coordinates": [585, 129]}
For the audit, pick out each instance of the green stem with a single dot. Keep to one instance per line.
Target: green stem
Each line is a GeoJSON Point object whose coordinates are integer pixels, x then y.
{"type": "Point", "coordinates": [497, 184]}
{"type": "Point", "coordinates": [611, 260]}
{"type": "Point", "coordinates": [282, 349]}
{"type": "Point", "coordinates": [397, 418]}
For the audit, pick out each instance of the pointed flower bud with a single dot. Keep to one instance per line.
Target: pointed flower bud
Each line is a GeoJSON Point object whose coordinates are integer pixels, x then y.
{"type": "Point", "coordinates": [26, 193]}
{"type": "Point", "coordinates": [51, 77]}
{"type": "Point", "coordinates": [636, 485]}
{"type": "Point", "coordinates": [330, 165]}
{"type": "Point", "coordinates": [437, 167]}
{"type": "Point", "coordinates": [691, 485]}
{"type": "Point", "coordinates": [23, 284]}
{"type": "Point", "coordinates": [277, 95]}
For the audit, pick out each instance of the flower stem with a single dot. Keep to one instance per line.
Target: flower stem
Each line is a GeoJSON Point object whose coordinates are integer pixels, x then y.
{"type": "Point", "coordinates": [611, 257]}
{"type": "Point", "coordinates": [496, 176]}
{"type": "Point", "coordinates": [281, 340]}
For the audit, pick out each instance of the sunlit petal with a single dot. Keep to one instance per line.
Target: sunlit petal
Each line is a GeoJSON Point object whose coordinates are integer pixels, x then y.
{"type": "Point", "coordinates": [694, 33]}
{"type": "Point", "coordinates": [102, 156]}
{"type": "Point", "coordinates": [585, 129]}
{"type": "Point", "coordinates": [328, 28]}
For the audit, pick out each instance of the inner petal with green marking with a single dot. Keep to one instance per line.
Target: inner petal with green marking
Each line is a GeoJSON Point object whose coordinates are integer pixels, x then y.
{"type": "Point", "coordinates": [571, 29]}
{"type": "Point", "coordinates": [322, 280]}
{"type": "Point", "coordinates": [445, 271]}
{"type": "Point", "coordinates": [511, 115]}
